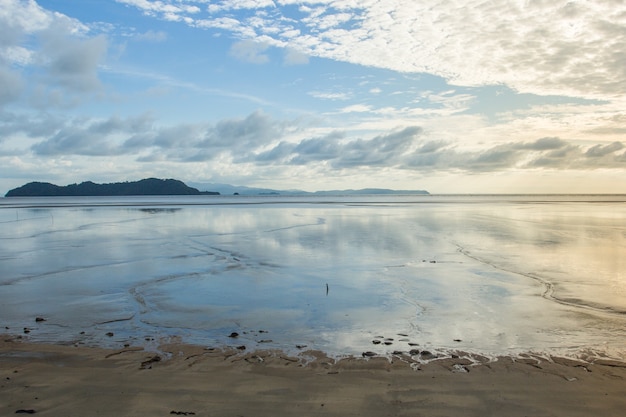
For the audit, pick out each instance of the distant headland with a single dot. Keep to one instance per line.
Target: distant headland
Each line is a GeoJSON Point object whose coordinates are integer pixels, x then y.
{"type": "Point", "coordinates": [148, 186]}
{"type": "Point", "coordinates": [155, 186]}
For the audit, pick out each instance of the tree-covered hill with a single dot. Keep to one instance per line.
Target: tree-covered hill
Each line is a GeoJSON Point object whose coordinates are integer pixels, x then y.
{"type": "Point", "coordinates": [148, 186]}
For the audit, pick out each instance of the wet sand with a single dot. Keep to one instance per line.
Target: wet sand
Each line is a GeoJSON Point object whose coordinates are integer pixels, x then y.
{"type": "Point", "coordinates": [54, 380]}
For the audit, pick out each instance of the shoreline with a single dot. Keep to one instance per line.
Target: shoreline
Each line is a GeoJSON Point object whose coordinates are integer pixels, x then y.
{"type": "Point", "coordinates": [184, 379]}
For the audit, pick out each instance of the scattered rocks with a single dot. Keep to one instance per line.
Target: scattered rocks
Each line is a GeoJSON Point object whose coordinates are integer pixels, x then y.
{"type": "Point", "coordinates": [26, 330]}
{"type": "Point", "coordinates": [376, 342]}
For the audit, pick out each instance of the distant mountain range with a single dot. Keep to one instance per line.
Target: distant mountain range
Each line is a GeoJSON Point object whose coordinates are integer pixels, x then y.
{"type": "Point", "coordinates": [155, 186]}
{"type": "Point", "coordinates": [227, 189]}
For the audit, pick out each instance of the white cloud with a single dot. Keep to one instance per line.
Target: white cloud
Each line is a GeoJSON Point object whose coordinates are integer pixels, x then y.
{"type": "Point", "coordinates": [250, 51]}
{"type": "Point", "coordinates": [73, 62]}
{"type": "Point", "coordinates": [330, 95]}
{"type": "Point", "coordinates": [356, 108]}
{"type": "Point", "coordinates": [169, 10]}
{"type": "Point", "coordinates": [295, 58]}
{"type": "Point", "coordinates": [21, 17]}
{"type": "Point", "coordinates": [239, 4]}
{"type": "Point", "coordinates": [151, 36]}
{"type": "Point", "coordinates": [558, 47]}
{"type": "Point", "coordinates": [11, 85]}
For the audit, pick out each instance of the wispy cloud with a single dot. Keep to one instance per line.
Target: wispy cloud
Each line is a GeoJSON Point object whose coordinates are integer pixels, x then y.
{"type": "Point", "coordinates": [250, 51]}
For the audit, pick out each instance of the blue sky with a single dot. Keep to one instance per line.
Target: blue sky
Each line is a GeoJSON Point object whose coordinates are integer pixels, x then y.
{"type": "Point", "coordinates": [452, 97]}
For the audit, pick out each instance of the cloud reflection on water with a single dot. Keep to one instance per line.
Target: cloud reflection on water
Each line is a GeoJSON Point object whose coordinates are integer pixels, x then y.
{"type": "Point", "coordinates": [203, 271]}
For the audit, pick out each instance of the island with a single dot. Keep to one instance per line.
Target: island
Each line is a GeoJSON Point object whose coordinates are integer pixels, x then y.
{"type": "Point", "coordinates": [148, 186]}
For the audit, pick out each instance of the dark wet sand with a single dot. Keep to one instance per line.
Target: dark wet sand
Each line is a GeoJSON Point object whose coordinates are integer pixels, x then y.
{"type": "Point", "coordinates": [53, 380]}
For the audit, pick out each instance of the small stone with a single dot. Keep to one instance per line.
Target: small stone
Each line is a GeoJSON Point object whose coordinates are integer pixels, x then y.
{"type": "Point", "coordinates": [234, 334]}
{"type": "Point", "coordinates": [427, 355]}
{"type": "Point", "coordinates": [301, 346]}
{"type": "Point", "coordinates": [376, 342]}
{"type": "Point", "coordinates": [148, 364]}
{"type": "Point", "coordinates": [110, 334]}
{"type": "Point", "coordinates": [458, 368]}
{"type": "Point", "coordinates": [242, 347]}
{"type": "Point", "coordinates": [39, 319]}
{"type": "Point", "coordinates": [368, 354]}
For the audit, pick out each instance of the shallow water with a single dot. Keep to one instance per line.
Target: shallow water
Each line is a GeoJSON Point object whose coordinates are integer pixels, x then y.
{"type": "Point", "coordinates": [489, 274]}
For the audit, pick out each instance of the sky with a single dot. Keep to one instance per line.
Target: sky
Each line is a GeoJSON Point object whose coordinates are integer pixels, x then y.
{"type": "Point", "coordinates": [455, 96]}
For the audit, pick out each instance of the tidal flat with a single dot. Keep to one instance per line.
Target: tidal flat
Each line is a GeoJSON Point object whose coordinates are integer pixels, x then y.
{"type": "Point", "coordinates": [490, 275]}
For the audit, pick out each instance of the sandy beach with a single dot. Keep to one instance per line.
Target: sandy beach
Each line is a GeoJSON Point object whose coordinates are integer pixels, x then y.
{"type": "Point", "coordinates": [54, 380]}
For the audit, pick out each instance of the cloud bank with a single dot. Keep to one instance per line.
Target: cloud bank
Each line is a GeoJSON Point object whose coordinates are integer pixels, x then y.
{"type": "Point", "coordinates": [260, 140]}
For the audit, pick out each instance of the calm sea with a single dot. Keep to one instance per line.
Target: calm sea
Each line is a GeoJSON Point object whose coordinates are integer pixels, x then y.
{"type": "Point", "coordinates": [487, 274]}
